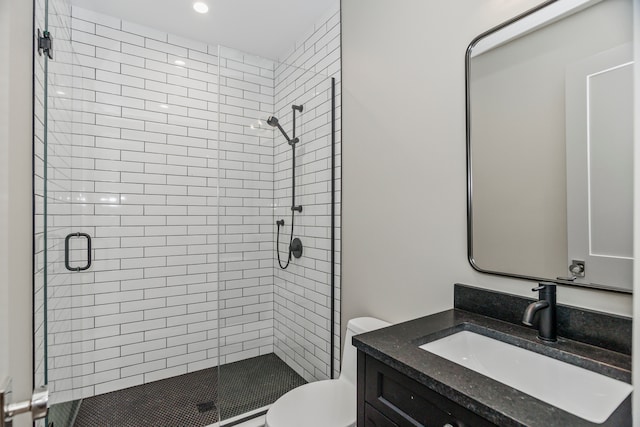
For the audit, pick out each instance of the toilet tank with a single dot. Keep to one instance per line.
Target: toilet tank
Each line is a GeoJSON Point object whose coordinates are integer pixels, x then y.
{"type": "Point", "coordinates": [356, 326]}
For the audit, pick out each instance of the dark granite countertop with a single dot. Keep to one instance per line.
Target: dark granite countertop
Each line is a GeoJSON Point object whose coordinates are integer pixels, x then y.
{"type": "Point", "coordinates": [398, 347]}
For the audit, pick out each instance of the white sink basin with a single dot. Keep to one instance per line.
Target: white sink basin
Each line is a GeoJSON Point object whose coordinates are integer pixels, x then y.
{"type": "Point", "coordinates": [581, 392]}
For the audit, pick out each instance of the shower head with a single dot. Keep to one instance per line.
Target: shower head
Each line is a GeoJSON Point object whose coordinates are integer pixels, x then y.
{"type": "Point", "coordinates": [272, 121]}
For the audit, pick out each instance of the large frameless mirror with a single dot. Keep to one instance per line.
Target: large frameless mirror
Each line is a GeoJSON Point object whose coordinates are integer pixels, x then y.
{"type": "Point", "coordinates": [550, 145]}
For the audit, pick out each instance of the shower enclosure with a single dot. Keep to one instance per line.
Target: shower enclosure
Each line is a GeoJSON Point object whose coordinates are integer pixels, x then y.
{"type": "Point", "coordinates": [157, 186]}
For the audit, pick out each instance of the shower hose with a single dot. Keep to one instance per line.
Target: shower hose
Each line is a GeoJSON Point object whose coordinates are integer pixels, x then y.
{"type": "Point", "coordinates": [281, 223]}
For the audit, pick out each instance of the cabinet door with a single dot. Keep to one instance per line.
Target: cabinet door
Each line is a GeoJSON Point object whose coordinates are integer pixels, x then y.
{"type": "Point", "coordinates": [408, 403]}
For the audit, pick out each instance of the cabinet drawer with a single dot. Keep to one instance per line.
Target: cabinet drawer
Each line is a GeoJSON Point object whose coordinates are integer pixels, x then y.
{"type": "Point", "coordinates": [409, 403]}
{"type": "Point", "coordinates": [373, 418]}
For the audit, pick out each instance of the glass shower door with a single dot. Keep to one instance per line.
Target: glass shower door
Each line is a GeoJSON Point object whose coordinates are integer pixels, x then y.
{"type": "Point", "coordinates": [39, 241]}
{"type": "Point", "coordinates": [62, 250]}
{"type": "Point", "coordinates": [125, 153]}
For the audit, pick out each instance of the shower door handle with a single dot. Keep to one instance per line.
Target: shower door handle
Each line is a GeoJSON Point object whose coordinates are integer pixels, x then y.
{"type": "Point", "coordinates": [66, 252]}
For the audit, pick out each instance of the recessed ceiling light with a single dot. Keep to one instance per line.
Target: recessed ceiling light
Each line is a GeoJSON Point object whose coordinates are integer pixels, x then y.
{"type": "Point", "coordinates": [60, 92]}
{"type": "Point", "coordinates": [179, 62]}
{"type": "Point", "coordinates": [165, 106]}
{"type": "Point", "coordinates": [200, 7]}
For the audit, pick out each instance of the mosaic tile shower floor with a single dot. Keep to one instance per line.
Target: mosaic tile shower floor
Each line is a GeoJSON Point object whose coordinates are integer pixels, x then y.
{"type": "Point", "coordinates": [193, 399]}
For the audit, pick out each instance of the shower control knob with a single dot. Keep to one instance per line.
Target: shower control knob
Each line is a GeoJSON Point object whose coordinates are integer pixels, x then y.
{"type": "Point", "coordinates": [295, 248]}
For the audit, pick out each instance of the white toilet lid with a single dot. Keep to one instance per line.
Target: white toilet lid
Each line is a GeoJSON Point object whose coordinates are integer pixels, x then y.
{"type": "Point", "coordinates": [329, 403]}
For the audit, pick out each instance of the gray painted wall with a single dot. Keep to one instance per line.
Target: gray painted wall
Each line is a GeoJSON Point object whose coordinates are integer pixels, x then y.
{"type": "Point", "coordinates": [15, 198]}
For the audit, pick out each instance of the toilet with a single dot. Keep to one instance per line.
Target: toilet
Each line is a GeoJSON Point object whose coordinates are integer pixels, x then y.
{"type": "Point", "coordinates": [328, 403]}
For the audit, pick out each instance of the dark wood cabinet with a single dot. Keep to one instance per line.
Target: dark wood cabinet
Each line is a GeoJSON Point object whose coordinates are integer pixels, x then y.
{"type": "Point", "coordinates": [387, 397]}
{"type": "Point", "coordinates": [374, 418]}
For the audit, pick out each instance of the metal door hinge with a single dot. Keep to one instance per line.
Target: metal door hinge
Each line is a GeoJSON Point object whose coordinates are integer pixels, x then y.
{"type": "Point", "coordinates": [45, 43]}
{"type": "Point", "coordinates": [38, 405]}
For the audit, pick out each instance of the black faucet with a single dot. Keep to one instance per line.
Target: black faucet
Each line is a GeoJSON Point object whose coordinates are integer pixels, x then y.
{"type": "Point", "coordinates": [546, 305]}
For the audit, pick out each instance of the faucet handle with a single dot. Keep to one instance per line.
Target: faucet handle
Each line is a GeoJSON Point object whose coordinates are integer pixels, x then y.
{"type": "Point", "coordinates": [544, 285]}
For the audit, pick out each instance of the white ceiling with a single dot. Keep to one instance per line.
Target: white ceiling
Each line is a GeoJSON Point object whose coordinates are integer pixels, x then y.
{"type": "Point", "coordinates": [267, 28]}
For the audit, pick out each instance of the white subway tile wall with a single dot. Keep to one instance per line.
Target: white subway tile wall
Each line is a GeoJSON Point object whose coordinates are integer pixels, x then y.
{"type": "Point", "coordinates": [302, 308]}
{"type": "Point", "coordinates": [151, 126]}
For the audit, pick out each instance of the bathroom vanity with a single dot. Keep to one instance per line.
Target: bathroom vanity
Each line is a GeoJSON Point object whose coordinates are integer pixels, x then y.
{"type": "Point", "coordinates": [401, 384]}
{"type": "Point", "coordinates": [393, 399]}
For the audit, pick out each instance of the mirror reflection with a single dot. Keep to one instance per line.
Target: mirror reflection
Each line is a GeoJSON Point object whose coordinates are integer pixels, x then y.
{"type": "Point", "coordinates": [550, 140]}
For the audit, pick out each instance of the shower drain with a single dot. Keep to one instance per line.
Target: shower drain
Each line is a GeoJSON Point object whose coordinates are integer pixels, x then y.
{"type": "Point", "coordinates": [206, 406]}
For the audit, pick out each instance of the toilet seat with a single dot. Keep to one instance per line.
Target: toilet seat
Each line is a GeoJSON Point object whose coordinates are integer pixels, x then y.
{"type": "Point", "coordinates": [319, 404]}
